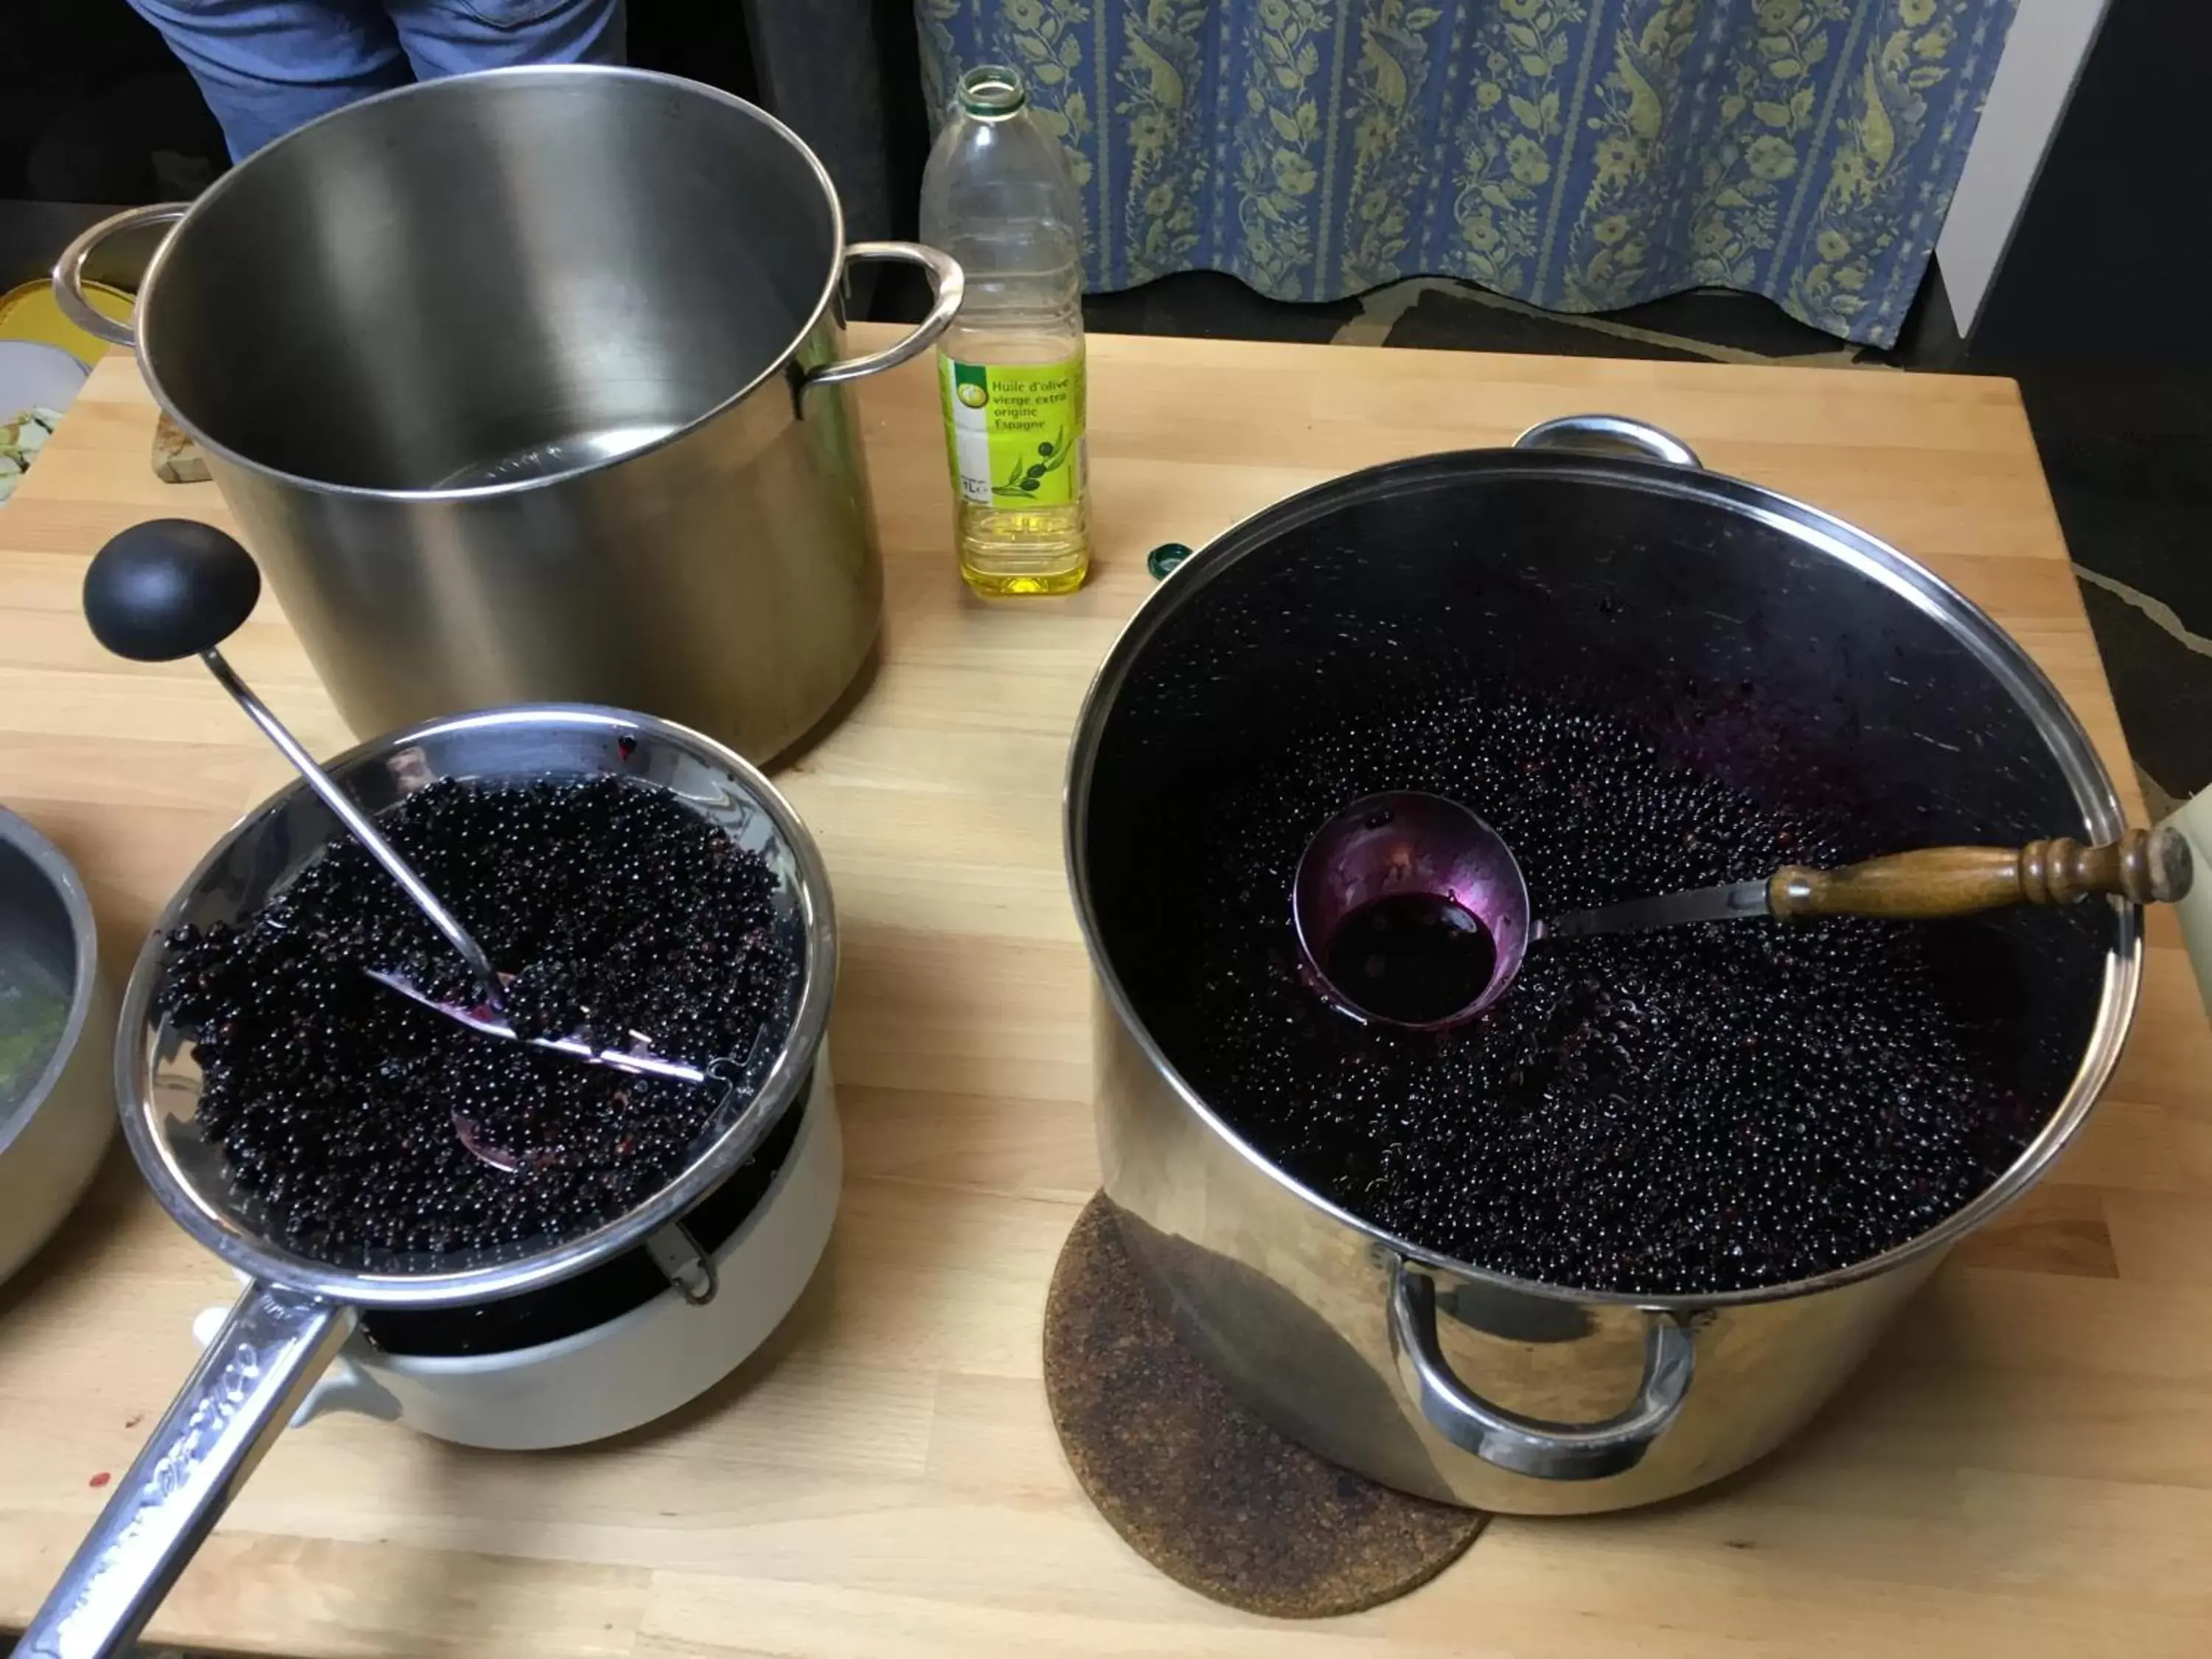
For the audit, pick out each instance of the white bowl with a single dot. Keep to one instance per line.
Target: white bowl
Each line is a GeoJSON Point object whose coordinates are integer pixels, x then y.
{"type": "Point", "coordinates": [632, 1368]}
{"type": "Point", "coordinates": [58, 1106]}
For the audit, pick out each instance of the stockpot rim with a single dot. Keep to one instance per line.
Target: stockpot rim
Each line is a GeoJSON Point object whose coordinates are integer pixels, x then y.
{"type": "Point", "coordinates": [143, 312]}
{"type": "Point", "coordinates": [1685, 479]}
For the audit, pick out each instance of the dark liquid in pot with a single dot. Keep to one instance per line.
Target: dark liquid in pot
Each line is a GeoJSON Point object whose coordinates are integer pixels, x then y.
{"type": "Point", "coordinates": [1414, 957]}
{"type": "Point", "coordinates": [616, 906]}
{"type": "Point", "coordinates": [1701, 1109]}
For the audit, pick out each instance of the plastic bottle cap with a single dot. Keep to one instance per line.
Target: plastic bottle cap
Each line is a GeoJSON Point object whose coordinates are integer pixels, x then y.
{"type": "Point", "coordinates": [992, 89]}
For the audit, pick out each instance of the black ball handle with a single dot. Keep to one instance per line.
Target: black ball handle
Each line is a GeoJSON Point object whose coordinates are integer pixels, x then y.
{"type": "Point", "coordinates": [169, 588]}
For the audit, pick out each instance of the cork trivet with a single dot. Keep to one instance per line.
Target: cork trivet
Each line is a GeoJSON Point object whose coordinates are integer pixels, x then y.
{"type": "Point", "coordinates": [1198, 1486]}
{"type": "Point", "coordinates": [177, 458]}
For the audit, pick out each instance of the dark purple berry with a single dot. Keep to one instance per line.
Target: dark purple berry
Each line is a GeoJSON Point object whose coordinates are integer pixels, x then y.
{"type": "Point", "coordinates": [1701, 1109]}
{"type": "Point", "coordinates": [369, 1126]}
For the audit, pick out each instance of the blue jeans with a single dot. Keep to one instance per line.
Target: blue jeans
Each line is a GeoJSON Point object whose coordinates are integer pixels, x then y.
{"type": "Point", "coordinates": [267, 66]}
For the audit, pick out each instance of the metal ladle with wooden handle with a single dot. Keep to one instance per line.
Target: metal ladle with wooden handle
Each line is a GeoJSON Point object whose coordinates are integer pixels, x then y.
{"type": "Point", "coordinates": [2147, 866]}
{"type": "Point", "coordinates": [1408, 841]}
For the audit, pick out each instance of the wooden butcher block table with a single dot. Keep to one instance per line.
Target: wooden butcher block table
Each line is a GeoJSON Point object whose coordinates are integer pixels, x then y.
{"type": "Point", "coordinates": [2025, 1467]}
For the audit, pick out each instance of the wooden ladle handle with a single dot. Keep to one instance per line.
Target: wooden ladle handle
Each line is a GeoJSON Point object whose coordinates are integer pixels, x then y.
{"type": "Point", "coordinates": [2143, 865]}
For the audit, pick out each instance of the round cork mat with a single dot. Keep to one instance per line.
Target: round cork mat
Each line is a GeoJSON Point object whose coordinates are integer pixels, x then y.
{"type": "Point", "coordinates": [1198, 1486]}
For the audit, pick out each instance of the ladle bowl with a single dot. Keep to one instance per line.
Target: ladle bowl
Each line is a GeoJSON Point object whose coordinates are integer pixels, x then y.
{"type": "Point", "coordinates": [1405, 841]}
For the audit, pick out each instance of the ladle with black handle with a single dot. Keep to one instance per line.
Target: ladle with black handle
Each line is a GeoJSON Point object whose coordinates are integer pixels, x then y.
{"type": "Point", "coordinates": [172, 588]}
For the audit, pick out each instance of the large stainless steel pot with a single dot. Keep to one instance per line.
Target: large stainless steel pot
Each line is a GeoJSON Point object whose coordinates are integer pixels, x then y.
{"type": "Point", "coordinates": [526, 386]}
{"type": "Point", "coordinates": [1766, 642]}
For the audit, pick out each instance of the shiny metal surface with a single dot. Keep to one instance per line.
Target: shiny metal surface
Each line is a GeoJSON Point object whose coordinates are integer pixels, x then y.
{"type": "Point", "coordinates": [1507, 1440]}
{"type": "Point", "coordinates": [1646, 585]}
{"type": "Point", "coordinates": [248, 1382]}
{"type": "Point", "coordinates": [947, 282]}
{"type": "Point", "coordinates": [1608, 434]}
{"type": "Point", "coordinates": [68, 269]}
{"type": "Point", "coordinates": [300, 1308]}
{"type": "Point", "coordinates": [57, 1113]}
{"type": "Point", "coordinates": [358, 824]}
{"type": "Point", "coordinates": [157, 1081]}
{"type": "Point", "coordinates": [1407, 841]}
{"type": "Point", "coordinates": [49, 951]}
{"type": "Point", "coordinates": [487, 1019]}
{"type": "Point", "coordinates": [526, 386]}
{"type": "Point", "coordinates": [1731, 901]}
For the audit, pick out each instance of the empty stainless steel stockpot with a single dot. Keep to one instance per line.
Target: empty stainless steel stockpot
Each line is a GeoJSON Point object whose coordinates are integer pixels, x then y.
{"type": "Point", "coordinates": [526, 386]}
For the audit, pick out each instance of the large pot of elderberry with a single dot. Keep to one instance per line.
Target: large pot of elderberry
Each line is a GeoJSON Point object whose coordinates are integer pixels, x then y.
{"type": "Point", "coordinates": [1623, 1230]}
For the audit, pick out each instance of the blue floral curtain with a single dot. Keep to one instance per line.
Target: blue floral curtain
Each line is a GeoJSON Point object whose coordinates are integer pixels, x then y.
{"type": "Point", "coordinates": [1581, 154]}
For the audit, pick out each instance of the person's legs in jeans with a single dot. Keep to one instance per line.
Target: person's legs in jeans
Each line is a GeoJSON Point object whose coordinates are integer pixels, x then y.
{"type": "Point", "coordinates": [267, 66]}
{"type": "Point", "coordinates": [451, 37]}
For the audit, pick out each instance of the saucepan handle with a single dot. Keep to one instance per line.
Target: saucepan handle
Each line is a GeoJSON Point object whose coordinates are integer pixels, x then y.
{"type": "Point", "coordinates": [1527, 1445]}
{"type": "Point", "coordinates": [69, 270]}
{"type": "Point", "coordinates": [1609, 434]}
{"type": "Point", "coordinates": [236, 1402]}
{"type": "Point", "coordinates": [945, 276]}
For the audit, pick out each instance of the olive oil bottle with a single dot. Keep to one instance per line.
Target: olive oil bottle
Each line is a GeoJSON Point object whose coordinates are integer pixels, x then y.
{"type": "Point", "coordinates": [998, 197]}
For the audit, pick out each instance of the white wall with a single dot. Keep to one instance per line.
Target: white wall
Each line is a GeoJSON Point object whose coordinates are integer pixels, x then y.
{"type": "Point", "coordinates": [2043, 56]}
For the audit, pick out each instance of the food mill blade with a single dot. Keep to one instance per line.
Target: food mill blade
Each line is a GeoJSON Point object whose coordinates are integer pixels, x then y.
{"type": "Point", "coordinates": [484, 1019]}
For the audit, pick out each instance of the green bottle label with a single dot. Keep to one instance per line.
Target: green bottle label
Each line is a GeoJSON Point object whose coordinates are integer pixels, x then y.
{"type": "Point", "coordinates": [1015, 433]}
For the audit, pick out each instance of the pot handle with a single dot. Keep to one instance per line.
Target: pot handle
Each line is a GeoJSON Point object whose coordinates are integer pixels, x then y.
{"type": "Point", "coordinates": [1609, 434]}
{"type": "Point", "coordinates": [945, 276]}
{"type": "Point", "coordinates": [1527, 1445]}
{"type": "Point", "coordinates": [230, 1409]}
{"type": "Point", "coordinates": [69, 270]}
{"type": "Point", "coordinates": [344, 1385]}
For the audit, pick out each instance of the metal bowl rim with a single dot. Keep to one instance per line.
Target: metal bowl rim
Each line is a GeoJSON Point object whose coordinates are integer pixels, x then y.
{"type": "Point", "coordinates": [48, 860]}
{"type": "Point", "coordinates": [778, 1091]}
{"type": "Point", "coordinates": [1836, 538]}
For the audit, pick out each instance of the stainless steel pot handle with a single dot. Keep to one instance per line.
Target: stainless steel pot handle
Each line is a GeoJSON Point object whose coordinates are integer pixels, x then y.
{"type": "Point", "coordinates": [69, 270]}
{"type": "Point", "coordinates": [1527, 1445]}
{"type": "Point", "coordinates": [234, 1406]}
{"type": "Point", "coordinates": [1608, 434]}
{"type": "Point", "coordinates": [944, 275]}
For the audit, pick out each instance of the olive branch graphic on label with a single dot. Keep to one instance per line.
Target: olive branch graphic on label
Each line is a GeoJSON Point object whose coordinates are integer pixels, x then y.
{"type": "Point", "coordinates": [1027, 474]}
